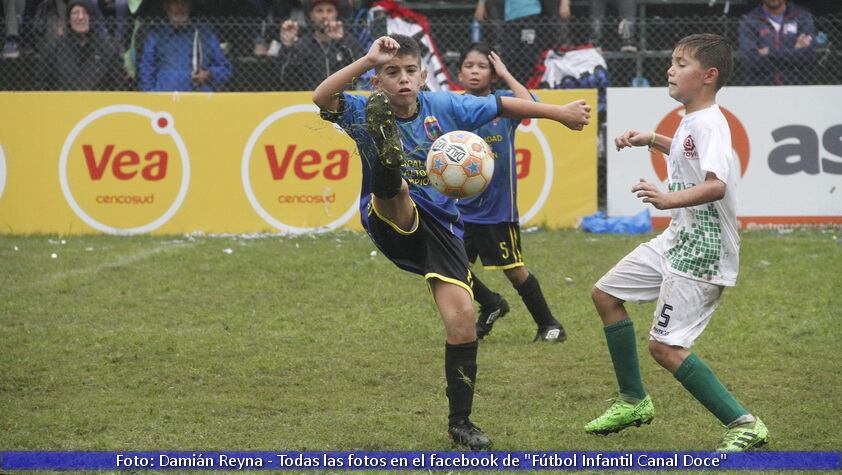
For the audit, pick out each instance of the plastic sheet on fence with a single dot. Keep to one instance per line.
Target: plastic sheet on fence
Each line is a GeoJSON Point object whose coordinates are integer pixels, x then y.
{"type": "Point", "coordinates": [600, 223]}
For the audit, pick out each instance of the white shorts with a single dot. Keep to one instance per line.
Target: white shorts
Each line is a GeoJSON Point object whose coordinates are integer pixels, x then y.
{"type": "Point", "coordinates": [685, 305]}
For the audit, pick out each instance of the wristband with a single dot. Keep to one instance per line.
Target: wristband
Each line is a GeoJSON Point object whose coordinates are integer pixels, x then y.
{"type": "Point", "coordinates": [652, 140]}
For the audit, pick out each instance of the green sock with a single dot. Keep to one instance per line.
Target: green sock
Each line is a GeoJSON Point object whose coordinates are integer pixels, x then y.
{"type": "Point", "coordinates": [623, 349]}
{"type": "Point", "coordinates": [697, 377]}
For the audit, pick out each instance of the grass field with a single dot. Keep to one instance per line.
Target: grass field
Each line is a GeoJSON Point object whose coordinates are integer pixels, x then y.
{"type": "Point", "coordinates": [293, 343]}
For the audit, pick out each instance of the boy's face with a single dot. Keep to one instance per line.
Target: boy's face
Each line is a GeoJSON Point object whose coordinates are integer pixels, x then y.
{"type": "Point", "coordinates": [475, 73]}
{"type": "Point", "coordinates": [687, 77]}
{"type": "Point", "coordinates": [400, 78]}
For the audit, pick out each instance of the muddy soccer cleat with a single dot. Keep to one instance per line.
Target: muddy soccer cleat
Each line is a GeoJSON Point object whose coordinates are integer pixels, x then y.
{"type": "Point", "coordinates": [380, 124]}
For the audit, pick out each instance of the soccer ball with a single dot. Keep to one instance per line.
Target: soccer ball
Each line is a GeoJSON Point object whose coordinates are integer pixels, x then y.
{"type": "Point", "coordinates": [460, 164]}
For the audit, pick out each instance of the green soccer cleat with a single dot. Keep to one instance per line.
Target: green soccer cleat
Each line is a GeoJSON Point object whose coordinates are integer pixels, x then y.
{"type": "Point", "coordinates": [380, 124]}
{"type": "Point", "coordinates": [744, 437]}
{"type": "Point", "coordinates": [622, 414]}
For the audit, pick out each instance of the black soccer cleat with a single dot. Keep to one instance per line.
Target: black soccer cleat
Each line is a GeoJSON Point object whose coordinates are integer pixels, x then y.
{"type": "Point", "coordinates": [380, 124]}
{"type": "Point", "coordinates": [466, 434]}
{"type": "Point", "coordinates": [551, 334]}
{"type": "Point", "coordinates": [489, 315]}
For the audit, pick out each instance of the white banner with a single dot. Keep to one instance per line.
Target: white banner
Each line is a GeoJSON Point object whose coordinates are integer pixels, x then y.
{"type": "Point", "coordinates": [788, 140]}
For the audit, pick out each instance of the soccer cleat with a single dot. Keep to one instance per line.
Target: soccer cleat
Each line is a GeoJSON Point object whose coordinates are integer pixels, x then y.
{"type": "Point", "coordinates": [487, 317]}
{"type": "Point", "coordinates": [551, 334]}
{"type": "Point", "coordinates": [466, 434]}
{"type": "Point", "coordinates": [380, 124]}
{"type": "Point", "coordinates": [744, 437]}
{"type": "Point", "coordinates": [622, 414]}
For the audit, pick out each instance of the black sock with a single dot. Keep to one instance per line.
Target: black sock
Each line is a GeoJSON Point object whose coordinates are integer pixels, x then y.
{"type": "Point", "coordinates": [533, 298]}
{"type": "Point", "coordinates": [482, 294]}
{"type": "Point", "coordinates": [460, 369]}
{"type": "Point", "coordinates": [385, 181]}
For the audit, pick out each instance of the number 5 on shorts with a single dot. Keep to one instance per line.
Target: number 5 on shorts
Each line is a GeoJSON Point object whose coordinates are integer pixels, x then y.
{"type": "Point", "coordinates": [664, 319]}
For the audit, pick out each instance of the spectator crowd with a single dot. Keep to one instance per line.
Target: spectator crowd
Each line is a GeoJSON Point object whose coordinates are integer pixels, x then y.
{"type": "Point", "coordinates": [180, 45]}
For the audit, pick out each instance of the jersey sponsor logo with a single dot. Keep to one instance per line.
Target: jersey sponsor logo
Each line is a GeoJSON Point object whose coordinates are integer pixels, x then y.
{"type": "Point", "coordinates": [132, 185]}
{"type": "Point", "coordinates": [690, 152]}
{"type": "Point", "coordinates": [669, 125]}
{"type": "Point", "coordinates": [300, 182]}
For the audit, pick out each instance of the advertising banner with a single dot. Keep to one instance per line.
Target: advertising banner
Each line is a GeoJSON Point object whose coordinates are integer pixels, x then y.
{"type": "Point", "coordinates": [136, 163]}
{"type": "Point", "coordinates": [787, 139]}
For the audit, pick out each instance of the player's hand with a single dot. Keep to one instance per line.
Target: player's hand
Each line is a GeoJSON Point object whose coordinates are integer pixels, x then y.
{"type": "Point", "coordinates": [334, 30]}
{"type": "Point", "coordinates": [651, 194]}
{"type": "Point", "coordinates": [499, 67]}
{"type": "Point", "coordinates": [382, 50]}
{"type": "Point", "coordinates": [289, 32]}
{"type": "Point", "coordinates": [576, 115]}
{"type": "Point", "coordinates": [632, 138]}
{"type": "Point", "coordinates": [764, 51]}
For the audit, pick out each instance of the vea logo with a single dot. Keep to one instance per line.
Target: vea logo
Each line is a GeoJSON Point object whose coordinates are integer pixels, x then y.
{"type": "Point", "coordinates": [127, 185]}
{"type": "Point", "coordinates": [308, 181]}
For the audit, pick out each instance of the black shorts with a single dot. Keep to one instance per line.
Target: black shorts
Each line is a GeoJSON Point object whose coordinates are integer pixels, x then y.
{"type": "Point", "coordinates": [497, 245]}
{"type": "Point", "coordinates": [428, 250]}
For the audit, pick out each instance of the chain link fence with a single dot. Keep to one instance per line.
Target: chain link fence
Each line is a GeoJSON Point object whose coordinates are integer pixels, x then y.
{"type": "Point", "coordinates": [247, 55]}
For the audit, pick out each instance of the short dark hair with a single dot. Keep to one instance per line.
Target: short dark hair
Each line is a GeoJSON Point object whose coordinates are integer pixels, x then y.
{"type": "Point", "coordinates": [407, 46]}
{"type": "Point", "coordinates": [712, 51]}
{"type": "Point", "coordinates": [481, 48]}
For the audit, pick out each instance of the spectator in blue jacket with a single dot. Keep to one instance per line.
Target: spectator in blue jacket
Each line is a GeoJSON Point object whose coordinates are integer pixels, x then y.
{"type": "Point", "coordinates": [776, 42]}
{"type": "Point", "coordinates": [181, 55]}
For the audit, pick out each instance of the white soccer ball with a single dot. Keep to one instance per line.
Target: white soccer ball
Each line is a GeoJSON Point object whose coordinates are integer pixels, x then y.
{"type": "Point", "coordinates": [460, 164]}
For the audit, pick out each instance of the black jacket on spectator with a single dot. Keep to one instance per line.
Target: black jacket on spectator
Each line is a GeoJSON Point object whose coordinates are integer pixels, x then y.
{"type": "Point", "coordinates": [307, 63]}
{"type": "Point", "coordinates": [71, 64]}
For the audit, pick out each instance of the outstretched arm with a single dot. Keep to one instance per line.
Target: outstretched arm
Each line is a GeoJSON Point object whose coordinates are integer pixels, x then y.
{"type": "Point", "coordinates": [712, 189]}
{"type": "Point", "coordinates": [326, 95]}
{"type": "Point", "coordinates": [575, 115]}
{"type": "Point", "coordinates": [633, 138]}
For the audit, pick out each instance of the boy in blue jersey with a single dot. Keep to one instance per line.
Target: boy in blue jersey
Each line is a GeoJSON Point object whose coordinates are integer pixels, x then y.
{"type": "Point", "coordinates": [492, 230]}
{"type": "Point", "coordinates": [414, 225]}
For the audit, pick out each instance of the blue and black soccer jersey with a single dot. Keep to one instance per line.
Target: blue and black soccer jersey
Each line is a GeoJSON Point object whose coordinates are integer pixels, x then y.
{"type": "Point", "coordinates": [438, 113]}
{"type": "Point", "coordinates": [498, 203]}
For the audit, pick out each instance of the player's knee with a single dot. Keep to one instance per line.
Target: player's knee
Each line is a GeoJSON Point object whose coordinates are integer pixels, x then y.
{"type": "Point", "coordinates": [517, 276]}
{"type": "Point", "coordinates": [660, 352]}
{"type": "Point", "coordinates": [602, 300]}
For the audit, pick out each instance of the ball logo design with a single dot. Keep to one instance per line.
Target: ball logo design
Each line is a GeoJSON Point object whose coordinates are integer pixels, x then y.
{"type": "Point", "coordinates": [669, 125]}
{"type": "Point", "coordinates": [130, 185]}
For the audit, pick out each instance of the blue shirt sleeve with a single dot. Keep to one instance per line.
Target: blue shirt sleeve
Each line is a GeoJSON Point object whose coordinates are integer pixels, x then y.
{"type": "Point", "coordinates": [472, 112]}
{"type": "Point", "coordinates": [351, 114]}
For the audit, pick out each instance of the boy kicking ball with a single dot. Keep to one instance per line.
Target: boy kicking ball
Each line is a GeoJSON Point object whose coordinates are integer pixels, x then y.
{"type": "Point", "coordinates": [687, 267]}
{"type": "Point", "coordinates": [413, 225]}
